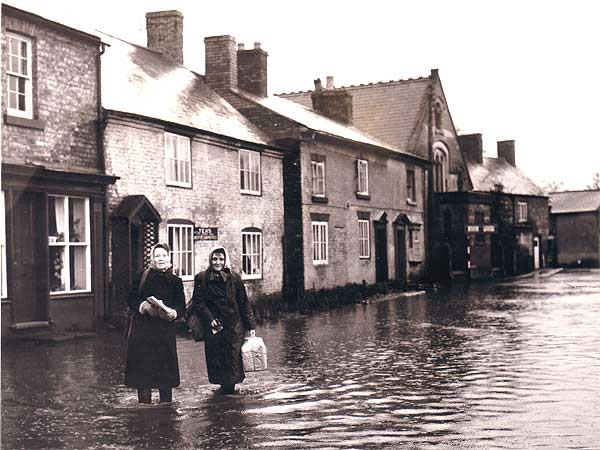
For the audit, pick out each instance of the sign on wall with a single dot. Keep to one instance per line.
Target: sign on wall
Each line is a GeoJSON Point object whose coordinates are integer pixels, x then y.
{"type": "Point", "coordinates": [206, 233]}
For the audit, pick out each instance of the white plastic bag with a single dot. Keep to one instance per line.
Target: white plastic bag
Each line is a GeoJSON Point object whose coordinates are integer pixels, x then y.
{"type": "Point", "coordinates": [254, 354]}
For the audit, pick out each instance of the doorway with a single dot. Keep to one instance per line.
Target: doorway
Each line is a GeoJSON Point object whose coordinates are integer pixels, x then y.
{"type": "Point", "coordinates": [381, 258]}
{"type": "Point", "coordinates": [536, 253]}
{"type": "Point", "coordinates": [400, 255]}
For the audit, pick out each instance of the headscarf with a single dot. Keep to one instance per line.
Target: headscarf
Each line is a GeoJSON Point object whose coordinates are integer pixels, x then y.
{"type": "Point", "coordinates": [164, 246]}
{"type": "Point", "coordinates": [222, 250]}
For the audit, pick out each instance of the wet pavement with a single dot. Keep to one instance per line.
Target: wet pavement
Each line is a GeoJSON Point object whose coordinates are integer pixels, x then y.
{"type": "Point", "coordinates": [510, 365]}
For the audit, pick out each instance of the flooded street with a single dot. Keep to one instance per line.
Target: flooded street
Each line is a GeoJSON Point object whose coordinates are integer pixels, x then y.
{"type": "Point", "coordinates": [513, 365]}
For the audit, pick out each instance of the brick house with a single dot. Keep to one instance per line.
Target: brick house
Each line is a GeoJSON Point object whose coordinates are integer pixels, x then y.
{"type": "Point", "coordinates": [193, 171]}
{"type": "Point", "coordinates": [413, 115]}
{"type": "Point", "coordinates": [354, 204]}
{"type": "Point", "coordinates": [508, 233]}
{"type": "Point", "coordinates": [575, 228]}
{"type": "Point", "coordinates": [54, 182]}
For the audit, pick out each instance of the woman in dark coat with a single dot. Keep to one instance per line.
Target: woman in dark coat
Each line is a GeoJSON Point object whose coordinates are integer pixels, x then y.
{"type": "Point", "coordinates": [221, 302]}
{"type": "Point", "coordinates": [151, 348]}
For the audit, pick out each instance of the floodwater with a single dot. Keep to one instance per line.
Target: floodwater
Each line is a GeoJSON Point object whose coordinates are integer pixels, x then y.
{"type": "Point", "coordinates": [483, 366]}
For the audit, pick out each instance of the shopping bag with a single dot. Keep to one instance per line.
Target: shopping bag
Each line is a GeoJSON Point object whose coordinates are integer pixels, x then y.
{"type": "Point", "coordinates": [195, 325]}
{"type": "Point", "coordinates": [254, 354]}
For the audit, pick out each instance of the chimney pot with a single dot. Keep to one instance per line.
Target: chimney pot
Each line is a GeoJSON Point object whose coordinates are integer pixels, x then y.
{"type": "Point", "coordinates": [252, 70]}
{"type": "Point", "coordinates": [241, 46]}
{"type": "Point", "coordinates": [330, 82]}
{"type": "Point", "coordinates": [257, 45]}
{"type": "Point", "coordinates": [318, 85]}
{"type": "Point", "coordinates": [506, 150]}
{"type": "Point", "coordinates": [333, 103]}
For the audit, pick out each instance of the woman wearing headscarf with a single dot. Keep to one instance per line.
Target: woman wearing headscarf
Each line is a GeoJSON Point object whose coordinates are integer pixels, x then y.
{"type": "Point", "coordinates": [156, 300]}
{"type": "Point", "coordinates": [221, 302]}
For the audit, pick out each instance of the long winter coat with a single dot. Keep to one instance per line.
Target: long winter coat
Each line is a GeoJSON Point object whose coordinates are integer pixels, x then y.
{"type": "Point", "coordinates": [151, 348]}
{"type": "Point", "coordinates": [223, 296]}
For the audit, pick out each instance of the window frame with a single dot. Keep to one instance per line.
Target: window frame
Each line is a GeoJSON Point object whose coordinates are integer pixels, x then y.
{"type": "Point", "coordinates": [28, 89]}
{"type": "Point", "coordinates": [179, 161]}
{"type": "Point", "coordinates": [67, 245]}
{"type": "Point", "coordinates": [249, 233]}
{"type": "Point", "coordinates": [364, 239]}
{"type": "Point", "coordinates": [180, 252]}
{"type": "Point", "coordinates": [362, 163]}
{"type": "Point", "coordinates": [249, 171]}
{"type": "Point", "coordinates": [411, 186]}
{"type": "Point", "coordinates": [317, 244]}
{"type": "Point", "coordinates": [3, 274]}
{"type": "Point", "coordinates": [314, 166]}
{"type": "Point", "coordinates": [522, 212]}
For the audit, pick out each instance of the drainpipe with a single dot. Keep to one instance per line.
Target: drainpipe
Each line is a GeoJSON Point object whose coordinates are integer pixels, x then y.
{"type": "Point", "coordinates": [99, 116]}
{"type": "Point", "coordinates": [430, 204]}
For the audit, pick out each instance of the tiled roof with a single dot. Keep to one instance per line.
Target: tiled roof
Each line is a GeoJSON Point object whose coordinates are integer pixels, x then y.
{"type": "Point", "coordinates": [388, 110]}
{"type": "Point", "coordinates": [315, 121]}
{"type": "Point", "coordinates": [488, 177]}
{"type": "Point", "coordinates": [140, 81]}
{"type": "Point", "coordinates": [574, 201]}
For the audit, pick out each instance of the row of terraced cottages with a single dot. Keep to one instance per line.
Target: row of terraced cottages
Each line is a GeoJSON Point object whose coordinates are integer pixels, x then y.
{"type": "Point", "coordinates": [109, 147]}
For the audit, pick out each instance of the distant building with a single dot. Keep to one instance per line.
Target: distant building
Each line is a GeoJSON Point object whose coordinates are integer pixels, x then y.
{"type": "Point", "coordinates": [193, 171]}
{"type": "Point", "coordinates": [354, 204]}
{"type": "Point", "coordinates": [54, 182]}
{"type": "Point", "coordinates": [513, 209]}
{"type": "Point", "coordinates": [575, 225]}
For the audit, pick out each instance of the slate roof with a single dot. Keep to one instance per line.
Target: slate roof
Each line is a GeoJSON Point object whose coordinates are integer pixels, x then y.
{"type": "Point", "coordinates": [388, 110]}
{"type": "Point", "coordinates": [140, 81]}
{"type": "Point", "coordinates": [575, 201]}
{"type": "Point", "coordinates": [315, 121]}
{"type": "Point", "coordinates": [495, 171]}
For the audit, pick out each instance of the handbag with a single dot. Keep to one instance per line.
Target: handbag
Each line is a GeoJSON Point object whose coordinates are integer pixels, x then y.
{"type": "Point", "coordinates": [254, 354]}
{"type": "Point", "coordinates": [195, 325]}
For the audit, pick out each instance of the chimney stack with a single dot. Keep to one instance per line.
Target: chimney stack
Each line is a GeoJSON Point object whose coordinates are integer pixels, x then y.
{"type": "Point", "coordinates": [472, 147]}
{"type": "Point", "coordinates": [252, 70]}
{"type": "Point", "coordinates": [165, 33]}
{"type": "Point", "coordinates": [506, 150]}
{"type": "Point", "coordinates": [333, 103]}
{"type": "Point", "coordinates": [221, 63]}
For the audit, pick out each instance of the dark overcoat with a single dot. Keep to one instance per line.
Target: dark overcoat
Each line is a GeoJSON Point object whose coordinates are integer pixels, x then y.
{"type": "Point", "coordinates": [223, 297]}
{"type": "Point", "coordinates": [151, 344]}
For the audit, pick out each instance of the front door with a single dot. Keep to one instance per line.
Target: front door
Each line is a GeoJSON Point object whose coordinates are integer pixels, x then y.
{"type": "Point", "coordinates": [400, 255]}
{"type": "Point", "coordinates": [536, 253]}
{"type": "Point", "coordinates": [29, 264]}
{"type": "Point", "coordinates": [381, 259]}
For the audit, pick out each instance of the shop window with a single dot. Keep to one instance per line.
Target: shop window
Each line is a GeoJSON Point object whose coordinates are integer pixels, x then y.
{"type": "Point", "coordinates": [178, 166]}
{"type": "Point", "coordinates": [20, 96]}
{"type": "Point", "coordinates": [364, 241]}
{"type": "Point", "coordinates": [69, 244]}
{"type": "Point", "coordinates": [251, 253]}
{"type": "Point", "coordinates": [3, 287]}
{"type": "Point", "coordinates": [250, 172]}
{"type": "Point", "coordinates": [319, 242]}
{"type": "Point", "coordinates": [181, 241]}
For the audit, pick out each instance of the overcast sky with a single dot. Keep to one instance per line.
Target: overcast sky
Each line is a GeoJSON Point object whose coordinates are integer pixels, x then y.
{"type": "Point", "coordinates": [522, 70]}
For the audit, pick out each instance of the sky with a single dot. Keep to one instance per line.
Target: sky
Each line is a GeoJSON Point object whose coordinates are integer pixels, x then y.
{"type": "Point", "coordinates": [525, 70]}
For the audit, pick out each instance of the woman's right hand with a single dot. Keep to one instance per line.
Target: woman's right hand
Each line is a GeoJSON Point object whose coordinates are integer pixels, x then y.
{"type": "Point", "coordinates": [148, 309]}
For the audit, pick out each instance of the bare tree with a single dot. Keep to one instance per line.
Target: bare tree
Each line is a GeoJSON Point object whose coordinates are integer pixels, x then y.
{"type": "Point", "coordinates": [595, 182]}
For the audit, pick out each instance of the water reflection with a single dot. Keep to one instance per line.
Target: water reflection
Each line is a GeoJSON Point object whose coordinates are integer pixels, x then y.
{"type": "Point", "coordinates": [477, 366]}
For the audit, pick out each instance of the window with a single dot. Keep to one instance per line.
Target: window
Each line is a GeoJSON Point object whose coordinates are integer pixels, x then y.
{"type": "Point", "coordinates": [249, 172]}
{"type": "Point", "coordinates": [69, 244]}
{"type": "Point", "coordinates": [410, 186]}
{"type": "Point", "coordinates": [319, 235]}
{"type": "Point", "coordinates": [410, 238]}
{"type": "Point", "coordinates": [522, 213]}
{"type": "Point", "coordinates": [364, 244]}
{"type": "Point", "coordinates": [178, 167]}
{"type": "Point", "coordinates": [3, 289]}
{"type": "Point", "coordinates": [251, 254]}
{"type": "Point", "coordinates": [363, 177]}
{"type": "Point", "coordinates": [479, 216]}
{"type": "Point", "coordinates": [20, 95]}
{"type": "Point", "coordinates": [181, 241]}
{"type": "Point", "coordinates": [440, 167]}
{"type": "Point", "coordinates": [318, 178]}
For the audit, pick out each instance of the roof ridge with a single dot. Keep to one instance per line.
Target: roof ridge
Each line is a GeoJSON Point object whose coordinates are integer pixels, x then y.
{"type": "Point", "coordinates": [376, 83]}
